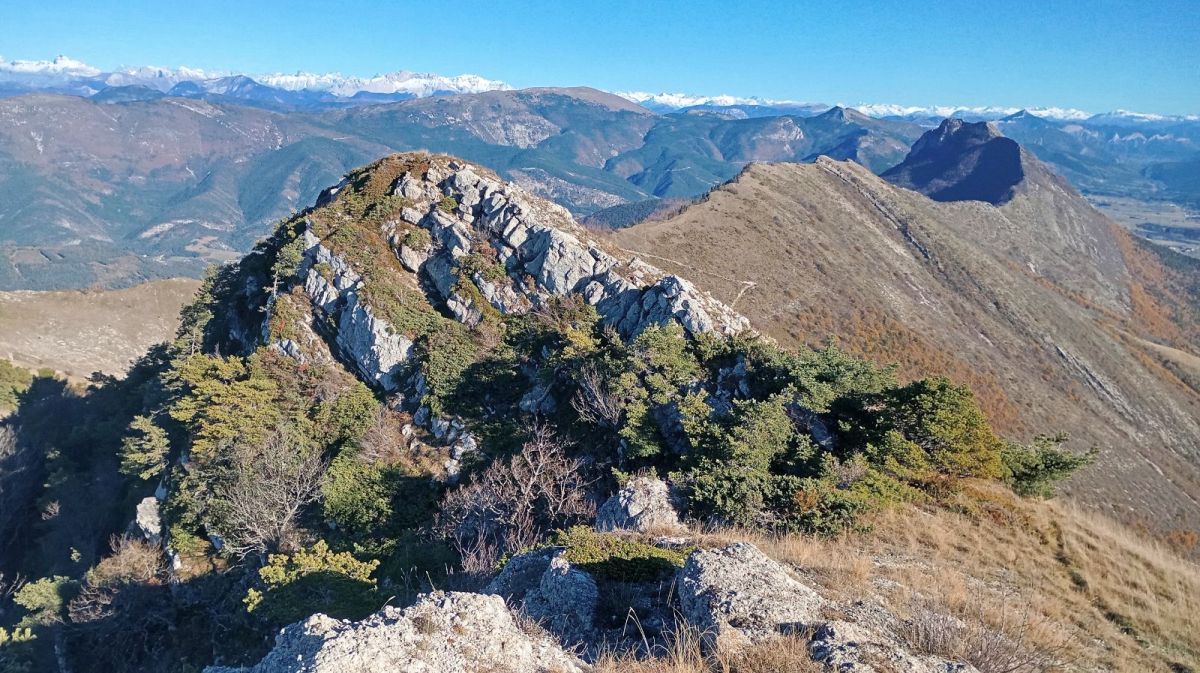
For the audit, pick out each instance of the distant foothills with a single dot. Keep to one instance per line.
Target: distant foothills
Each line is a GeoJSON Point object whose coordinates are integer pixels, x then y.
{"type": "Point", "coordinates": [111, 178]}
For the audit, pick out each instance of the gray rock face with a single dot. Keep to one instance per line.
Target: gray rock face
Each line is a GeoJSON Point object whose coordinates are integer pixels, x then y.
{"type": "Point", "coordinates": [441, 633]}
{"type": "Point", "coordinates": [546, 587]}
{"type": "Point", "coordinates": [643, 504]}
{"type": "Point", "coordinates": [365, 339]}
{"type": "Point", "coordinates": [737, 595]}
{"type": "Point", "coordinates": [148, 522]}
{"type": "Point", "coordinates": [545, 254]}
{"type": "Point", "coordinates": [565, 598]}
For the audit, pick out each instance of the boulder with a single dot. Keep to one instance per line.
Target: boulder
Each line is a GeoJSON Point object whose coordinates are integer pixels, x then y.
{"type": "Point", "coordinates": [851, 648]}
{"type": "Point", "coordinates": [643, 504]}
{"type": "Point", "coordinates": [148, 522]}
{"type": "Point", "coordinates": [412, 258]}
{"type": "Point", "coordinates": [547, 588]}
{"type": "Point", "coordinates": [441, 633]}
{"type": "Point", "coordinates": [736, 595]}
{"type": "Point", "coordinates": [564, 600]}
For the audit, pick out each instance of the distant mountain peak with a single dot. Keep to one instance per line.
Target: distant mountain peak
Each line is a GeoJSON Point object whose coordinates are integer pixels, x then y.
{"type": "Point", "coordinates": [962, 161]}
{"type": "Point", "coordinates": [844, 114]}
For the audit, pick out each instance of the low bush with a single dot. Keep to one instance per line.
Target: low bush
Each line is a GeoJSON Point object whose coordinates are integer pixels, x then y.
{"type": "Point", "coordinates": [616, 557]}
{"type": "Point", "coordinates": [1035, 469]}
{"type": "Point", "coordinates": [314, 580]}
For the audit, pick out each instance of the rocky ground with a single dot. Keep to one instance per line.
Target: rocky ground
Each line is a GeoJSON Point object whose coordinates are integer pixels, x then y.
{"type": "Point", "coordinates": [544, 613]}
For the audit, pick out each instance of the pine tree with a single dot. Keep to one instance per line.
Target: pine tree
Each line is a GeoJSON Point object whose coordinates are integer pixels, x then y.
{"type": "Point", "coordinates": [144, 450]}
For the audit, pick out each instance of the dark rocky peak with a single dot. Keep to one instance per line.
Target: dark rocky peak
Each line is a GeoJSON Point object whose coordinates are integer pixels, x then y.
{"type": "Point", "coordinates": [955, 134]}
{"type": "Point", "coordinates": [962, 161]}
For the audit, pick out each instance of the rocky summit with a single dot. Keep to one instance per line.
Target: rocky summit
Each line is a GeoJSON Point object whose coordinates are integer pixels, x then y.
{"type": "Point", "coordinates": [961, 161]}
{"type": "Point", "coordinates": [453, 213]}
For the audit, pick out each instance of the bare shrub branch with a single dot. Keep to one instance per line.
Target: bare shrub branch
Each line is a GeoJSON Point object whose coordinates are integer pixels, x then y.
{"type": "Point", "coordinates": [593, 401]}
{"type": "Point", "coordinates": [384, 441]}
{"type": "Point", "coordinates": [515, 502]}
{"type": "Point", "coordinates": [269, 488]}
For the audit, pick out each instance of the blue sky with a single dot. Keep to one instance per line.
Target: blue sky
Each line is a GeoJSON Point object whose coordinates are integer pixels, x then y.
{"type": "Point", "coordinates": [1096, 55]}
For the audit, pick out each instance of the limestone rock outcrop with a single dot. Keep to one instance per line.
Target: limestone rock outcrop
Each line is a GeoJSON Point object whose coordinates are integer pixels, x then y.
{"type": "Point", "coordinates": [441, 633]}
{"type": "Point", "coordinates": [643, 504]}
{"type": "Point", "coordinates": [541, 253]}
{"type": "Point", "coordinates": [550, 590]}
{"type": "Point", "coordinates": [148, 522]}
{"type": "Point", "coordinates": [737, 595]}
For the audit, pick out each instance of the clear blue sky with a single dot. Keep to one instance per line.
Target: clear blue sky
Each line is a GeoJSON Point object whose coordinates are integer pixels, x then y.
{"type": "Point", "coordinates": [1096, 55]}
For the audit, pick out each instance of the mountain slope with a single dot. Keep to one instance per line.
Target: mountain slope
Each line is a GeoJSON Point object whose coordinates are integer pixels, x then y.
{"type": "Point", "coordinates": [132, 186]}
{"type": "Point", "coordinates": [78, 333]}
{"type": "Point", "coordinates": [432, 372]}
{"type": "Point", "coordinates": [1041, 305]}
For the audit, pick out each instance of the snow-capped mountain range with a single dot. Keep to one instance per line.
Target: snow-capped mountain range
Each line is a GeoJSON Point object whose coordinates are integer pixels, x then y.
{"type": "Point", "coordinates": [678, 101]}
{"type": "Point", "coordinates": [301, 89]}
{"type": "Point", "coordinates": [67, 73]}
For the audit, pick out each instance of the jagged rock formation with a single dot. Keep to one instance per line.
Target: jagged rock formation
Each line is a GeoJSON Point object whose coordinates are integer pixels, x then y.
{"type": "Point", "coordinates": [441, 633]}
{"type": "Point", "coordinates": [643, 504]}
{"type": "Point", "coordinates": [1056, 317]}
{"type": "Point", "coordinates": [961, 161]}
{"type": "Point", "coordinates": [533, 249]}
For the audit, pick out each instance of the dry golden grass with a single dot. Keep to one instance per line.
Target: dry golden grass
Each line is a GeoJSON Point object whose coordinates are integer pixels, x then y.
{"type": "Point", "coordinates": [1072, 586]}
{"type": "Point", "coordinates": [685, 654]}
{"type": "Point", "coordinates": [1006, 583]}
{"type": "Point", "coordinates": [78, 332]}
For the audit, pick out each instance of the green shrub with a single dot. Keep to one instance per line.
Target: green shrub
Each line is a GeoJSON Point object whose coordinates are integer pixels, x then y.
{"type": "Point", "coordinates": [289, 255]}
{"type": "Point", "coordinates": [819, 507]}
{"type": "Point", "coordinates": [314, 580]}
{"type": "Point", "coordinates": [488, 268]}
{"type": "Point", "coordinates": [448, 204]}
{"type": "Point", "coordinates": [1036, 469]}
{"type": "Point", "coordinates": [355, 495]}
{"type": "Point", "coordinates": [13, 381]}
{"type": "Point", "coordinates": [615, 557]}
{"type": "Point", "coordinates": [347, 417]}
{"type": "Point", "coordinates": [945, 421]}
{"type": "Point", "coordinates": [417, 238]}
{"type": "Point", "coordinates": [445, 355]}
{"type": "Point", "coordinates": [725, 493]}
{"type": "Point", "coordinates": [144, 450]}
{"type": "Point", "coordinates": [45, 600]}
